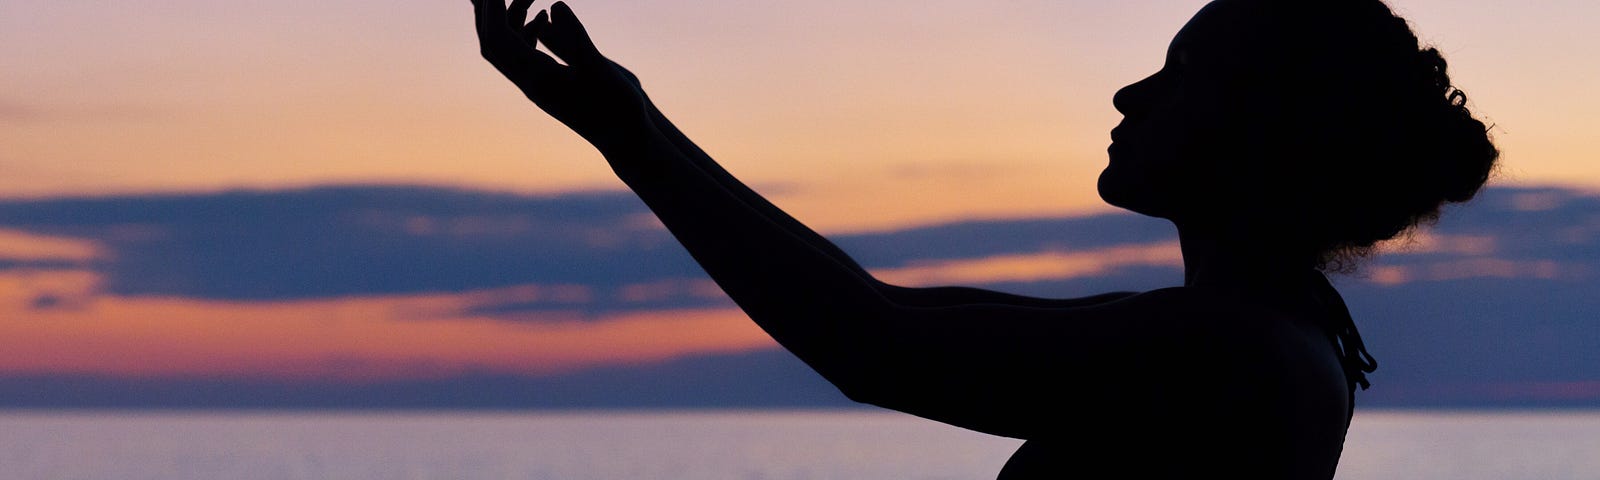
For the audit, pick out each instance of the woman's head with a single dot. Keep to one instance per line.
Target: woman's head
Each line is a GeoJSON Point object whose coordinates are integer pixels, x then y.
{"type": "Point", "coordinates": [1320, 124]}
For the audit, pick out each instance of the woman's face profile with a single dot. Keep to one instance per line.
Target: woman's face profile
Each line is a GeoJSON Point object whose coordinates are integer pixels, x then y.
{"type": "Point", "coordinates": [1154, 164]}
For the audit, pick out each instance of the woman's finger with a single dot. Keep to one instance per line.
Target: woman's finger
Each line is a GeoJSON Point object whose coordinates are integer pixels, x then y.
{"type": "Point", "coordinates": [491, 13]}
{"type": "Point", "coordinates": [477, 15]}
{"type": "Point", "coordinates": [491, 22]}
{"type": "Point", "coordinates": [530, 32]}
{"type": "Point", "coordinates": [518, 13]}
{"type": "Point", "coordinates": [567, 37]}
{"type": "Point", "coordinates": [495, 37]}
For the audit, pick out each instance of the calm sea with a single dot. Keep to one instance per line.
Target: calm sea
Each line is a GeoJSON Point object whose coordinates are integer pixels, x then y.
{"type": "Point", "coordinates": [698, 446]}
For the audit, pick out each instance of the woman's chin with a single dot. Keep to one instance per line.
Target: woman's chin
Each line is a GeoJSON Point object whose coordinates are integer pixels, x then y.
{"type": "Point", "coordinates": [1134, 198]}
{"type": "Point", "coordinates": [1113, 190]}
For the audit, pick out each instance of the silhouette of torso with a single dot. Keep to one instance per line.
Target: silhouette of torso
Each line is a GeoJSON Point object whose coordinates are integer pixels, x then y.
{"type": "Point", "coordinates": [1276, 405]}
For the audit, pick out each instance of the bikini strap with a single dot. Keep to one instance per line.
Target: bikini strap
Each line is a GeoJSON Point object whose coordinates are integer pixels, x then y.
{"type": "Point", "coordinates": [1342, 330]}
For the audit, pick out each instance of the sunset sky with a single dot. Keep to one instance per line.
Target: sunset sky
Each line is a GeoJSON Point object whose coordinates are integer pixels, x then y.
{"type": "Point", "coordinates": [905, 111]}
{"type": "Point", "coordinates": [858, 117]}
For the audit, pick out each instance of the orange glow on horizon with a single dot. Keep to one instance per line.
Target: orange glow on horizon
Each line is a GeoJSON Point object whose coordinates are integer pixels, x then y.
{"type": "Point", "coordinates": [355, 339]}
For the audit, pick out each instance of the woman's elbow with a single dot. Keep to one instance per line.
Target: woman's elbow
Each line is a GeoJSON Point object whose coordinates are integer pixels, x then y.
{"type": "Point", "coordinates": [855, 376]}
{"type": "Point", "coordinates": [856, 382]}
{"type": "Point", "coordinates": [858, 354]}
{"type": "Point", "coordinates": [880, 387]}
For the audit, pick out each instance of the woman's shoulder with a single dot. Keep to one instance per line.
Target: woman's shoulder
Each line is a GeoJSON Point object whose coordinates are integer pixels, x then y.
{"type": "Point", "coordinates": [1242, 335]}
{"type": "Point", "coordinates": [1210, 312]}
{"type": "Point", "coordinates": [1235, 313]}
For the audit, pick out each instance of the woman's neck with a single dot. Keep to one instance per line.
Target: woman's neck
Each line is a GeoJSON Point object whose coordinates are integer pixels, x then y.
{"type": "Point", "coordinates": [1238, 259]}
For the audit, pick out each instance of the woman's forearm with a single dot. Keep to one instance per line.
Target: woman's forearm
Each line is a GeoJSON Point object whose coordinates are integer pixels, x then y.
{"type": "Point", "coordinates": [811, 302]}
{"type": "Point", "coordinates": [749, 196]}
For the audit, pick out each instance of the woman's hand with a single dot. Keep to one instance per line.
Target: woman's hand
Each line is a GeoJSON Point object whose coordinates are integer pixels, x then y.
{"type": "Point", "coordinates": [592, 95]}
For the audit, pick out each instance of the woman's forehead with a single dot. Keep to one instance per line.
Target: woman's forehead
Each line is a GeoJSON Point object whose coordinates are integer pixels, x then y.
{"type": "Point", "coordinates": [1221, 24]}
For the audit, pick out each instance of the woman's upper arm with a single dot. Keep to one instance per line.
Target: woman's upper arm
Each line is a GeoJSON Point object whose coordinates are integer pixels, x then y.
{"type": "Point", "coordinates": [1016, 371]}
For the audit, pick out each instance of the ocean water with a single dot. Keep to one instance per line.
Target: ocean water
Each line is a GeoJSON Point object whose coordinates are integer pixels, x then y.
{"type": "Point", "coordinates": [698, 446]}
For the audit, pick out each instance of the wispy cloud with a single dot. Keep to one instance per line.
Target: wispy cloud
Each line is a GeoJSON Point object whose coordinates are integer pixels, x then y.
{"type": "Point", "coordinates": [357, 240]}
{"type": "Point", "coordinates": [1478, 268]}
{"type": "Point", "coordinates": [1050, 265]}
{"type": "Point", "coordinates": [23, 246]}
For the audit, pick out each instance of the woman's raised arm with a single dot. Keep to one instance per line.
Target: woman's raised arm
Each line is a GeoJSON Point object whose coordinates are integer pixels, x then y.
{"type": "Point", "coordinates": [982, 365]}
{"type": "Point", "coordinates": [936, 296]}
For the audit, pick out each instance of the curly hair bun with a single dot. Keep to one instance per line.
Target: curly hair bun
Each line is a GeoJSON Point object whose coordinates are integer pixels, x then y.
{"type": "Point", "coordinates": [1386, 141]}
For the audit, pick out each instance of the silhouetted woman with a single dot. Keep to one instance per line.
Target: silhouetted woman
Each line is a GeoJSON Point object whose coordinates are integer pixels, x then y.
{"type": "Point", "coordinates": [1282, 138]}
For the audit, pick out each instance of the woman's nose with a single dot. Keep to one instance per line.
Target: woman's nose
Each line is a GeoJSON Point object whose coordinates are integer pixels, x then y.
{"type": "Point", "coordinates": [1128, 98]}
